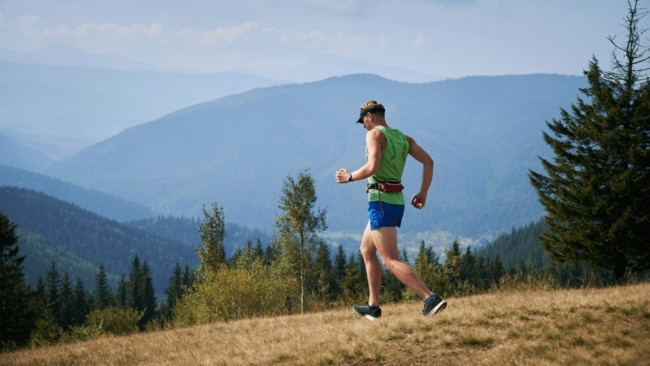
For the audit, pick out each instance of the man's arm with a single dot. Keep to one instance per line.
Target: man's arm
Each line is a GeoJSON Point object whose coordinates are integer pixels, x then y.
{"type": "Point", "coordinates": [419, 199]}
{"type": "Point", "coordinates": [375, 142]}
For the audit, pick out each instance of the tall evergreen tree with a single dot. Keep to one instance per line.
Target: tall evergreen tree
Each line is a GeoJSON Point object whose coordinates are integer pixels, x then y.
{"type": "Point", "coordinates": [80, 304]}
{"type": "Point", "coordinates": [597, 188]}
{"type": "Point", "coordinates": [323, 272]}
{"type": "Point", "coordinates": [52, 287]}
{"type": "Point", "coordinates": [427, 266]}
{"type": "Point", "coordinates": [451, 270]}
{"type": "Point", "coordinates": [16, 320]}
{"type": "Point", "coordinates": [299, 224]}
{"type": "Point", "coordinates": [340, 263]}
{"type": "Point", "coordinates": [102, 294]}
{"type": "Point", "coordinates": [175, 290]}
{"type": "Point", "coordinates": [497, 269]}
{"type": "Point", "coordinates": [468, 271]}
{"type": "Point", "coordinates": [39, 296]}
{"type": "Point", "coordinates": [149, 306]}
{"type": "Point", "coordinates": [353, 285]}
{"type": "Point", "coordinates": [66, 301]}
{"type": "Point", "coordinates": [212, 253]}
{"type": "Point", "coordinates": [121, 294]}
{"type": "Point", "coordinates": [134, 288]}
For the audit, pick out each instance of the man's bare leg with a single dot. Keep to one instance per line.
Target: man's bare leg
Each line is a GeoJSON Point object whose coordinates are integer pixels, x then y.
{"type": "Point", "coordinates": [373, 268]}
{"type": "Point", "coordinates": [385, 241]}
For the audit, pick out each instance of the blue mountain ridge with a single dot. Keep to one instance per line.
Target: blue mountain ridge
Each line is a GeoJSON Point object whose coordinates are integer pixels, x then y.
{"type": "Point", "coordinates": [484, 133]}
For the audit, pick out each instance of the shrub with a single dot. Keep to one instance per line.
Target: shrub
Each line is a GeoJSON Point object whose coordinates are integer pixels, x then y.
{"type": "Point", "coordinates": [232, 293]}
{"type": "Point", "coordinates": [112, 320]}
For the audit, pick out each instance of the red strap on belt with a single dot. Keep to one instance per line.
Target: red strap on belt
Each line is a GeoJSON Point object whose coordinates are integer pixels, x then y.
{"type": "Point", "coordinates": [385, 187]}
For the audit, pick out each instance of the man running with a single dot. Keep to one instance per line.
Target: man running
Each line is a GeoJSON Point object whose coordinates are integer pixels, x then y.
{"type": "Point", "coordinates": [386, 152]}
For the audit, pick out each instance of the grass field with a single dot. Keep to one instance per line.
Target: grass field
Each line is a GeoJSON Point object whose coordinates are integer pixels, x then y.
{"type": "Point", "coordinates": [608, 326]}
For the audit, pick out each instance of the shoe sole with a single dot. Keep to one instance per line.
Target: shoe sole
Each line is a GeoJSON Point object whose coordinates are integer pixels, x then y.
{"type": "Point", "coordinates": [440, 307]}
{"type": "Point", "coordinates": [367, 316]}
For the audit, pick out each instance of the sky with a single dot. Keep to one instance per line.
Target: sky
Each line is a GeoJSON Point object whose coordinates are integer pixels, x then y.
{"type": "Point", "coordinates": [439, 38]}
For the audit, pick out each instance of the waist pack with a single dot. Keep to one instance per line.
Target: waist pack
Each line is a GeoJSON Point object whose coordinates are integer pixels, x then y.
{"type": "Point", "coordinates": [385, 187]}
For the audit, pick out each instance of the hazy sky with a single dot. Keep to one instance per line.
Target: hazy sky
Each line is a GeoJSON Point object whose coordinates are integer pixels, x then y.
{"type": "Point", "coordinates": [451, 38]}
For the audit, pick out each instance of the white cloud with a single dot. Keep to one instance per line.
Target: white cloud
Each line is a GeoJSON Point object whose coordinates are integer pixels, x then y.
{"type": "Point", "coordinates": [231, 35]}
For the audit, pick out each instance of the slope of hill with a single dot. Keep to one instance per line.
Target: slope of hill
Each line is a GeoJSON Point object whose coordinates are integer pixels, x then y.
{"type": "Point", "coordinates": [14, 152]}
{"type": "Point", "coordinates": [483, 132]}
{"type": "Point", "coordinates": [609, 326]}
{"type": "Point", "coordinates": [81, 105]}
{"type": "Point", "coordinates": [103, 204]}
{"type": "Point", "coordinates": [520, 245]}
{"type": "Point", "coordinates": [53, 230]}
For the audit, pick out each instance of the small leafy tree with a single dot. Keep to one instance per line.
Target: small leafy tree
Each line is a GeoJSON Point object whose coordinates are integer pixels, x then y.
{"type": "Point", "coordinates": [298, 225]}
{"type": "Point", "coordinates": [212, 253]}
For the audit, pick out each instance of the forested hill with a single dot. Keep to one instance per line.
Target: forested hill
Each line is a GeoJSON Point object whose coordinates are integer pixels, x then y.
{"type": "Point", "coordinates": [79, 240]}
{"type": "Point", "coordinates": [519, 246]}
{"type": "Point", "coordinates": [103, 204]}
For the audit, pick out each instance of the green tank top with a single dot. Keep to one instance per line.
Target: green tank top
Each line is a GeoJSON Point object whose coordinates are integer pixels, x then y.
{"type": "Point", "coordinates": [393, 159]}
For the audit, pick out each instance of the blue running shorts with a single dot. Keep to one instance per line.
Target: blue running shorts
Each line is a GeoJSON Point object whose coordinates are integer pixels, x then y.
{"type": "Point", "coordinates": [392, 215]}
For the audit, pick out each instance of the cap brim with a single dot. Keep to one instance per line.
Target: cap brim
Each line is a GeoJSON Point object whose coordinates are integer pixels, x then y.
{"type": "Point", "coordinates": [363, 112]}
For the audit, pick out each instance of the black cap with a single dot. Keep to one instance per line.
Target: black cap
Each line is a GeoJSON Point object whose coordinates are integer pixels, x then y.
{"type": "Point", "coordinates": [373, 108]}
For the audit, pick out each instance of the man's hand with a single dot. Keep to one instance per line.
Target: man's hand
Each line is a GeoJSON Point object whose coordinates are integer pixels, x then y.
{"type": "Point", "coordinates": [342, 176]}
{"type": "Point", "coordinates": [418, 201]}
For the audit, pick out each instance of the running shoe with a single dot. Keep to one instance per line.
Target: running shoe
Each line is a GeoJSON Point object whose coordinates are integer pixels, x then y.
{"type": "Point", "coordinates": [433, 305]}
{"type": "Point", "coordinates": [367, 311]}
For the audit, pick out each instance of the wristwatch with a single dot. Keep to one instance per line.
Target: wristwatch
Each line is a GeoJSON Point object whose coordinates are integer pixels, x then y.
{"type": "Point", "coordinates": [349, 176]}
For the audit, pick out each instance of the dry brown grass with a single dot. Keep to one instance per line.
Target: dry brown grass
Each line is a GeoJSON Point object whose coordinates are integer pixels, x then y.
{"type": "Point", "coordinates": [569, 327]}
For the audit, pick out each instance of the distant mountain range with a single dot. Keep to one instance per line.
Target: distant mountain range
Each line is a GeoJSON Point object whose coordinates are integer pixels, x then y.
{"type": "Point", "coordinates": [60, 109]}
{"type": "Point", "coordinates": [483, 132]}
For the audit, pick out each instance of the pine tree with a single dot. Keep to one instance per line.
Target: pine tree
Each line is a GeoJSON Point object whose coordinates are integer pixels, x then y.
{"type": "Point", "coordinates": [340, 263]}
{"type": "Point", "coordinates": [121, 297]}
{"type": "Point", "coordinates": [102, 295]}
{"type": "Point", "coordinates": [451, 270]}
{"type": "Point", "coordinates": [52, 288]}
{"type": "Point", "coordinates": [16, 320]}
{"type": "Point", "coordinates": [66, 301]}
{"type": "Point", "coordinates": [468, 269]}
{"type": "Point", "coordinates": [428, 268]}
{"type": "Point", "coordinates": [597, 188]}
{"type": "Point", "coordinates": [497, 269]}
{"type": "Point", "coordinates": [81, 304]}
{"type": "Point", "coordinates": [353, 282]}
{"type": "Point", "coordinates": [39, 296]}
{"type": "Point", "coordinates": [134, 288]}
{"type": "Point", "coordinates": [148, 301]}
{"type": "Point", "coordinates": [323, 272]}
{"type": "Point", "coordinates": [175, 290]}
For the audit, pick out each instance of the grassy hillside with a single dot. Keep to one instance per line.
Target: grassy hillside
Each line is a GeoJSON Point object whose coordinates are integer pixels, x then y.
{"type": "Point", "coordinates": [518, 327]}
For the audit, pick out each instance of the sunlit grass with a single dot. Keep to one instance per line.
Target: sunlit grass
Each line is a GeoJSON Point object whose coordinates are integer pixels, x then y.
{"type": "Point", "coordinates": [541, 327]}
